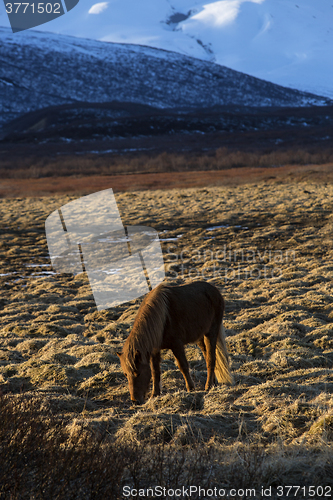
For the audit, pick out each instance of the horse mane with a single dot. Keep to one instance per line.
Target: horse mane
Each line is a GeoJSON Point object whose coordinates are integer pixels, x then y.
{"type": "Point", "coordinates": [148, 327]}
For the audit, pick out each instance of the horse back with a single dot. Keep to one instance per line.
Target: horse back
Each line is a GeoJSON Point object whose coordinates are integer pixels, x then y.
{"type": "Point", "coordinates": [193, 311]}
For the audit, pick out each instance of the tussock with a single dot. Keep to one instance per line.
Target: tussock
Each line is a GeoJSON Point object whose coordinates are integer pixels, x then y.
{"type": "Point", "coordinates": [58, 354]}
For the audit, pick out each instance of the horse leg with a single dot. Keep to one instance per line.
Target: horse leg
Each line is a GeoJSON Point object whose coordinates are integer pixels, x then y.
{"type": "Point", "coordinates": [202, 346]}
{"type": "Point", "coordinates": [210, 346]}
{"type": "Point", "coordinates": [179, 353]}
{"type": "Point", "coordinates": [155, 366]}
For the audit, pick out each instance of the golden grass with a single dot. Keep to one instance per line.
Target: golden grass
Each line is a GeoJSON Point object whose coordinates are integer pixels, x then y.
{"type": "Point", "coordinates": [268, 248]}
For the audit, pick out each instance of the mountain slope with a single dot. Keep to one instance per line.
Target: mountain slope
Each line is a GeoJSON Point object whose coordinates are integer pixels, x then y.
{"type": "Point", "coordinates": [288, 42]}
{"type": "Point", "coordinates": [41, 69]}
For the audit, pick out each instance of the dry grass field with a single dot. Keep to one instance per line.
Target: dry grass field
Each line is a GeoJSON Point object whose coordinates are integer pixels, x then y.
{"type": "Point", "coordinates": [267, 246]}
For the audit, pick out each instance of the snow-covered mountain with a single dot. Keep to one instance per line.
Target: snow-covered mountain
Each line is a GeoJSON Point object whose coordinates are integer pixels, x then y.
{"type": "Point", "coordinates": [288, 42]}
{"type": "Point", "coordinates": [41, 69]}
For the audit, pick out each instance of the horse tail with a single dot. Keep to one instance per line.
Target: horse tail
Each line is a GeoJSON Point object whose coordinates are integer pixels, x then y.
{"type": "Point", "coordinates": [222, 366]}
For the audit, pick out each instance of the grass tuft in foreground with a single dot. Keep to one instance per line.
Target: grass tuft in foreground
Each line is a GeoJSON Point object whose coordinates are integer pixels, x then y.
{"type": "Point", "coordinates": [40, 458]}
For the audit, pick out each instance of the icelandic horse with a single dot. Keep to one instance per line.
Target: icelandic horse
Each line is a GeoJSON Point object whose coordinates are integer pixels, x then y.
{"type": "Point", "coordinates": [169, 317]}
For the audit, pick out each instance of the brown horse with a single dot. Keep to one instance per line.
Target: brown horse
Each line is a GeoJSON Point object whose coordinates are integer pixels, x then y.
{"type": "Point", "coordinates": [170, 317]}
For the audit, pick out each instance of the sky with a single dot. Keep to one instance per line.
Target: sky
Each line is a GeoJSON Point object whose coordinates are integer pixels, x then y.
{"type": "Point", "coordinates": [289, 42]}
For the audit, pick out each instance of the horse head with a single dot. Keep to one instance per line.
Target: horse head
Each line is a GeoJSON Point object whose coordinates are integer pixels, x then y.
{"type": "Point", "coordinates": [138, 375]}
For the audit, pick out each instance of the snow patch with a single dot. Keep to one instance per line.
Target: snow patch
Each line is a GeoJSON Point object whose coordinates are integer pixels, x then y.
{"type": "Point", "coordinates": [221, 13]}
